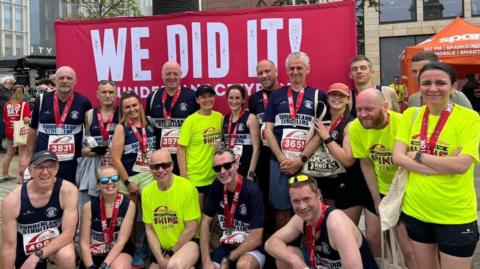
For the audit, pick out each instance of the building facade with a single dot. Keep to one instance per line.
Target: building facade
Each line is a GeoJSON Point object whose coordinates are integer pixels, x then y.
{"type": "Point", "coordinates": [14, 27]}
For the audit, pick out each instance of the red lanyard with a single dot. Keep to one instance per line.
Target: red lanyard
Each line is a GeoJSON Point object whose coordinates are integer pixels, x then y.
{"type": "Point", "coordinates": [265, 99]}
{"type": "Point", "coordinates": [294, 110]}
{"type": "Point", "coordinates": [335, 124]}
{"type": "Point", "coordinates": [108, 231]}
{"type": "Point", "coordinates": [311, 237]}
{"type": "Point", "coordinates": [105, 131]}
{"type": "Point", "coordinates": [233, 134]}
{"type": "Point", "coordinates": [166, 114]}
{"type": "Point", "coordinates": [429, 149]}
{"type": "Point", "coordinates": [60, 121]}
{"type": "Point", "coordinates": [230, 214]}
{"type": "Point", "coordinates": [142, 139]}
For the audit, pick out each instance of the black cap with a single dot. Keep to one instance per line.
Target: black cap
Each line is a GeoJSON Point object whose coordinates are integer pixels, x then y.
{"type": "Point", "coordinates": [203, 89]}
{"type": "Point", "coordinates": [43, 155]}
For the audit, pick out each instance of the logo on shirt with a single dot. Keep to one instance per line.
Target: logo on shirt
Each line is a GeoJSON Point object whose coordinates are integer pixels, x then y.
{"type": "Point", "coordinates": [164, 217]}
{"type": "Point", "coordinates": [308, 104]}
{"type": "Point", "coordinates": [241, 126]}
{"type": "Point", "coordinates": [183, 106]}
{"type": "Point", "coordinates": [74, 114]}
{"type": "Point", "coordinates": [381, 155]}
{"type": "Point", "coordinates": [243, 209]}
{"type": "Point", "coordinates": [28, 212]}
{"type": "Point", "coordinates": [210, 135]}
{"type": "Point", "coordinates": [51, 212]}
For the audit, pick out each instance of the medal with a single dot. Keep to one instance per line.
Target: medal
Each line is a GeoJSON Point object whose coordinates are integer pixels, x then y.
{"type": "Point", "coordinates": [230, 212]}
{"type": "Point", "coordinates": [104, 143]}
{"type": "Point", "coordinates": [294, 123]}
{"type": "Point", "coordinates": [168, 122]}
{"type": "Point", "coordinates": [228, 231]}
{"type": "Point", "coordinates": [294, 108]}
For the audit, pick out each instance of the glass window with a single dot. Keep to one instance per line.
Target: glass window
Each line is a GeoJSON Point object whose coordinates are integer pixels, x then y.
{"type": "Point", "coordinates": [19, 45]}
{"type": "Point", "coordinates": [18, 19]}
{"type": "Point", "coordinates": [441, 9]}
{"type": "Point", "coordinates": [8, 45]}
{"type": "Point", "coordinates": [18, 1]}
{"type": "Point", "coordinates": [475, 7]}
{"type": "Point", "coordinates": [398, 10]}
{"type": "Point", "coordinates": [7, 17]}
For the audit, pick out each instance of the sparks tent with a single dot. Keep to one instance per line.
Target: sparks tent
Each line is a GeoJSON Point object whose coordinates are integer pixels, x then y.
{"type": "Point", "coordinates": [457, 44]}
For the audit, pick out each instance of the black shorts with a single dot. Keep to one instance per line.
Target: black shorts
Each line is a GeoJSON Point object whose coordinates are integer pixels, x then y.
{"type": "Point", "coordinates": [457, 240]}
{"type": "Point", "coordinates": [21, 259]}
{"type": "Point", "coordinates": [203, 189]}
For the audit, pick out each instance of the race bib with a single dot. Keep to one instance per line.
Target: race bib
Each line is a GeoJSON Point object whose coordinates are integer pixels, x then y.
{"type": "Point", "coordinates": [293, 142]}
{"type": "Point", "coordinates": [233, 238]}
{"type": "Point", "coordinates": [100, 249]}
{"type": "Point", "coordinates": [263, 136]}
{"type": "Point", "coordinates": [142, 161]}
{"type": "Point", "coordinates": [169, 139]}
{"type": "Point", "coordinates": [36, 241]}
{"type": "Point", "coordinates": [63, 146]}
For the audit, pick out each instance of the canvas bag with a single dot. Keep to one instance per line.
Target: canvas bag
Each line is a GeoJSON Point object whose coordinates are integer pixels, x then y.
{"type": "Point", "coordinates": [20, 130]}
{"type": "Point", "coordinates": [321, 163]}
{"type": "Point", "coordinates": [392, 256]}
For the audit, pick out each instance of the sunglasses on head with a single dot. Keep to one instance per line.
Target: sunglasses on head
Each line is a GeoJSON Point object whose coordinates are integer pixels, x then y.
{"type": "Point", "coordinates": [105, 180]}
{"type": "Point", "coordinates": [226, 166]}
{"type": "Point", "coordinates": [299, 178]}
{"type": "Point", "coordinates": [105, 82]}
{"type": "Point", "coordinates": [157, 166]}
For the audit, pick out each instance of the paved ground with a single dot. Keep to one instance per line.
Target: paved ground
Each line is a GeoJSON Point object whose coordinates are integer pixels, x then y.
{"type": "Point", "coordinates": [8, 186]}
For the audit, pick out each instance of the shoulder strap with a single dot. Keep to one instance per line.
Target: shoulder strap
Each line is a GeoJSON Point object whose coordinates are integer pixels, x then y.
{"type": "Point", "coordinates": [315, 103]}
{"type": "Point", "coordinates": [40, 106]}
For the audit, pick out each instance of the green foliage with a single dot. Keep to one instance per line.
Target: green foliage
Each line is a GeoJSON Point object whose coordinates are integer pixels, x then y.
{"type": "Point", "coordinates": [92, 9]}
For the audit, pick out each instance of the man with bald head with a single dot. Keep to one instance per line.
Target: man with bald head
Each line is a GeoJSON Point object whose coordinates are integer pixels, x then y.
{"type": "Point", "coordinates": [168, 107]}
{"type": "Point", "coordinates": [171, 213]}
{"type": "Point", "coordinates": [58, 120]}
{"type": "Point", "coordinates": [372, 137]}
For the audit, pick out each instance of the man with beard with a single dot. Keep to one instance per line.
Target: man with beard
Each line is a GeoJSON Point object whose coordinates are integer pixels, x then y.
{"type": "Point", "coordinates": [58, 120]}
{"type": "Point", "coordinates": [171, 214]}
{"type": "Point", "coordinates": [168, 108]}
{"type": "Point", "coordinates": [372, 137]}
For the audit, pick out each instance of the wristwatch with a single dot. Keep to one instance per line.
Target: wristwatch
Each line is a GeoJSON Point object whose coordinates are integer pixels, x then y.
{"type": "Point", "coordinates": [418, 157]}
{"type": "Point", "coordinates": [126, 182]}
{"type": "Point", "coordinates": [303, 158]}
{"type": "Point", "coordinates": [252, 174]}
{"type": "Point", "coordinates": [39, 254]}
{"type": "Point", "coordinates": [328, 140]}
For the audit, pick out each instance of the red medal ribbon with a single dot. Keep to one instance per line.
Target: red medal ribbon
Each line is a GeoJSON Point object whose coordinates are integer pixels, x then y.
{"type": "Point", "coordinates": [230, 214]}
{"type": "Point", "coordinates": [142, 139]}
{"type": "Point", "coordinates": [233, 134]}
{"type": "Point", "coordinates": [335, 124]}
{"type": "Point", "coordinates": [105, 130]}
{"type": "Point", "coordinates": [60, 120]}
{"type": "Point", "coordinates": [311, 237]}
{"type": "Point", "coordinates": [294, 110]}
{"type": "Point", "coordinates": [430, 147]}
{"type": "Point", "coordinates": [166, 114]}
{"type": "Point", "coordinates": [108, 231]}
{"type": "Point", "coordinates": [265, 99]}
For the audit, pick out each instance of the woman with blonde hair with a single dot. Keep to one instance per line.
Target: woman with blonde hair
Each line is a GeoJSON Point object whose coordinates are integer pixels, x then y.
{"type": "Point", "coordinates": [14, 110]}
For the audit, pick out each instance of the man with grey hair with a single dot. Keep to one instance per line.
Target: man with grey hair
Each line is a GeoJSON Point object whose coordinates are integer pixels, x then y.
{"type": "Point", "coordinates": [6, 85]}
{"type": "Point", "coordinates": [290, 114]}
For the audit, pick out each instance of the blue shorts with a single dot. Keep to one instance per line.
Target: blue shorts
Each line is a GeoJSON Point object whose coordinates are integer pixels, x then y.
{"type": "Point", "coordinates": [278, 190]}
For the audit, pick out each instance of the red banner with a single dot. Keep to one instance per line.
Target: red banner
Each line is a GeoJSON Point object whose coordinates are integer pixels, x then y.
{"type": "Point", "coordinates": [218, 48]}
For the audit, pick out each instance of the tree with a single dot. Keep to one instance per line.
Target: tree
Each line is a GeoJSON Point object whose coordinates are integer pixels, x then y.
{"type": "Point", "coordinates": [91, 9]}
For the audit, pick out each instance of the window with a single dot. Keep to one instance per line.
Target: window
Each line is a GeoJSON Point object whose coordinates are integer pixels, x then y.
{"type": "Point", "coordinates": [442, 9]}
{"type": "Point", "coordinates": [7, 17]}
{"type": "Point", "coordinates": [398, 10]}
{"type": "Point", "coordinates": [475, 7]}
{"type": "Point", "coordinates": [19, 45]}
{"type": "Point", "coordinates": [18, 19]}
{"type": "Point", "coordinates": [8, 45]}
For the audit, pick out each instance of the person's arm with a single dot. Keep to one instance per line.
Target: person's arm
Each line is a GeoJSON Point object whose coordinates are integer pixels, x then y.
{"type": "Point", "coordinates": [85, 233]}
{"type": "Point", "coordinates": [401, 158]}
{"type": "Point", "coordinates": [276, 245]}
{"type": "Point", "coordinates": [392, 98]}
{"type": "Point", "coordinates": [187, 235]}
{"type": "Point", "coordinates": [342, 154]}
{"type": "Point", "coordinates": [10, 211]}
{"type": "Point", "coordinates": [345, 238]}
{"type": "Point", "coordinates": [371, 179]}
{"type": "Point", "coordinates": [273, 143]}
{"type": "Point", "coordinates": [205, 241]}
{"type": "Point", "coordinates": [118, 144]}
{"type": "Point", "coordinates": [181, 160]}
{"type": "Point", "coordinates": [253, 241]}
{"type": "Point", "coordinates": [123, 235]}
{"type": "Point", "coordinates": [154, 245]}
{"type": "Point", "coordinates": [88, 121]}
{"type": "Point", "coordinates": [254, 127]}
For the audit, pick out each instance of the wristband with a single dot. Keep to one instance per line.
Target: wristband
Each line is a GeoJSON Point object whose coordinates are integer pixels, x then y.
{"type": "Point", "coordinates": [328, 140]}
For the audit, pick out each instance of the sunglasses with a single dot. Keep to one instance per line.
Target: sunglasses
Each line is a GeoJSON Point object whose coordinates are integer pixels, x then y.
{"type": "Point", "coordinates": [157, 166]}
{"type": "Point", "coordinates": [105, 82]}
{"type": "Point", "coordinates": [226, 166]}
{"type": "Point", "coordinates": [299, 178]}
{"type": "Point", "coordinates": [105, 180]}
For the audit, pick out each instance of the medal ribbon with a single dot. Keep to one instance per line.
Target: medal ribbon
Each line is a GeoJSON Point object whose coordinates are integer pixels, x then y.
{"type": "Point", "coordinates": [166, 114]}
{"type": "Point", "coordinates": [429, 149]}
{"type": "Point", "coordinates": [294, 109]}
{"type": "Point", "coordinates": [230, 214]}
{"type": "Point", "coordinates": [108, 231]}
{"type": "Point", "coordinates": [60, 120]}
{"type": "Point", "coordinates": [265, 100]}
{"type": "Point", "coordinates": [233, 134]}
{"type": "Point", "coordinates": [311, 237]}
{"type": "Point", "coordinates": [142, 139]}
{"type": "Point", "coordinates": [105, 130]}
{"type": "Point", "coordinates": [335, 124]}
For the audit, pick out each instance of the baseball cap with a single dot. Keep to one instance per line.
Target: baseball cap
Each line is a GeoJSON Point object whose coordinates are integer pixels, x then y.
{"type": "Point", "coordinates": [204, 89]}
{"type": "Point", "coordinates": [339, 87]}
{"type": "Point", "coordinates": [43, 155]}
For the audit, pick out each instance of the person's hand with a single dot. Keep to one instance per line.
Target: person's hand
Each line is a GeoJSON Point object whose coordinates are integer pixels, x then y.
{"type": "Point", "coordinates": [31, 262]}
{"type": "Point", "coordinates": [224, 264]}
{"type": "Point", "coordinates": [291, 166]}
{"type": "Point", "coordinates": [376, 202]}
{"type": "Point", "coordinates": [163, 262]}
{"type": "Point", "coordinates": [26, 120]}
{"type": "Point", "coordinates": [208, 265]}
{"type": "Point", "coordinates": [321, 129]}
{"type": "Point", "coordinates": [411, 154]}
{"type": "Point", "coordinates": [297, 263]}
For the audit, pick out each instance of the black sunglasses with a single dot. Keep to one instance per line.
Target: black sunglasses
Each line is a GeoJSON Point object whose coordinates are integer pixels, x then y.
{"type": "Point", "coordinates": [105, 180]}
{"type": "Point", "coordinates": [226, 166]}
{"type": "Point", "coordinates": [105, 82]}
{"type": "Point", "coordinates": [157, 166]}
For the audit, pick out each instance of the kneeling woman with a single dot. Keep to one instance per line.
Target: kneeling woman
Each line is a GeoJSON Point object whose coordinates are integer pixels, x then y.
{"type": "Point", "coordinates": [107, 222]}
